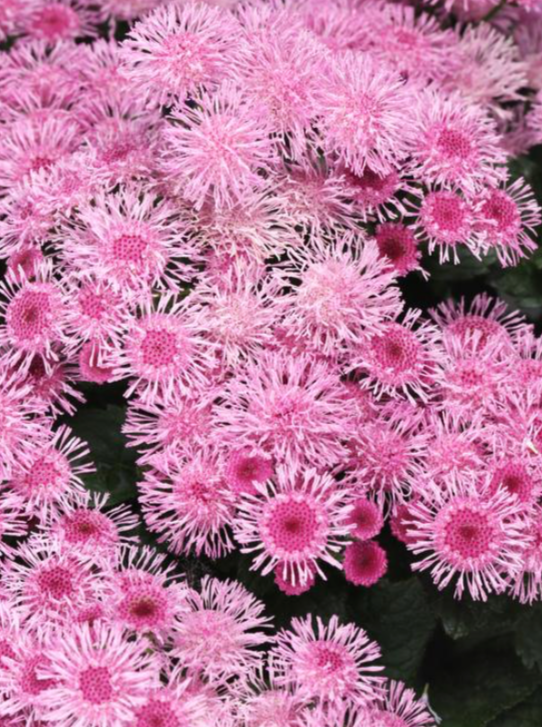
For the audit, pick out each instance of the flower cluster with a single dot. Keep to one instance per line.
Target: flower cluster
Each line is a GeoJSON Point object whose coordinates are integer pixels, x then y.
{"type": "Point", "coordinates": [215, 204]}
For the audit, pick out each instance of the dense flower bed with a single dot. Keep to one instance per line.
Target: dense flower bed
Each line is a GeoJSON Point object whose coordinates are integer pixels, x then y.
{"type": "Point", "coordinates": [270, 439]}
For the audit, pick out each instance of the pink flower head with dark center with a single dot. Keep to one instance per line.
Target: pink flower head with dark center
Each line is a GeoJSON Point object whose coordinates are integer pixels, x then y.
{"type": "Point", "coordinates": [378, 195]}
{"type": "Point", "coordinates": [364, 563]}
{"type": "Point", "coordinates": [29, 146]}
{"type": "Point", "coordinates": [263, 702]}
{"type": "Point", "coordinates": [165, 351]}
{"type": "Point", "coordinates": [188, 502]}
{"type": "Point", "coordinates": [456, 144]}
{"type": "Point", "coordinates": [129, 242]}
{"type": "Point", "coordinates": [299, 521]}
{"type": "Point", "coordinates": [346, 289]}
{"type": "Point", "coordinates": [27, 218]}
{"type": "Point", "coordinates": [221, 631]}
{"type": "Point", "coordinates": [398, 707]}
{"type": "Point", "coordinates": [475, 540]}
{"type": "Point", "coordinates": [25, 263]}
{"type": "Point", "coordinates": [57, 20]}
{"type": "Point", "coordinates": [245, 468]}
{"type": "Point", "coordinates": [359, 105]}
{"type": "Point", "coordinates": [52, 477]}
{"type": "Point", "coordinates": [398, 244]}
{"type": "Point", "coordinates": [484, 320]}
{"type": "Point", "coordinates": [518, 477]}
{"type": "Point", "coordinates": [97, 363]}
{"type": "Point", "coordinates": [99, 677]}
{"type": "Point", "coordinates": [180, 48]}
{"type": "Point", "coordinates": [178, 422]}
{"type": "Point", "coordinates": [51, 583]}
{"type": "Point", "coordinates": [446, 221]}
{"type": "Point", "coordinates": [507, 221]}
{"type": "Point", "coordinates": [330, 663]}
{"type": "Point", "coordinates": [91, 528]}
{"type": "Point", "coordinates": [34, 319]}
{"type": "Point", "coordinates": [215, 151]}
{"type": "Point", "coordinates": [97, 312]}
{"type": "Point", "coordinates": [291, 407]}
{"type": "Point", "coordinates": [52, 385]}
{"type": "Point", "coordinates": [173, 706]}
{"type": "Point", "coordinates": [366, 520]}
{"type": "Point", "coordinates": [401, 358]}
{"type": "Point", "coordinates": [142, 596]}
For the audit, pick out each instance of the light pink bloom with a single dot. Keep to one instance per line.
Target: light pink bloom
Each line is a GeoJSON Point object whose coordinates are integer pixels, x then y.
{"type": "Point", "coordinates": [399, 707]}
{"type": "Point", "coordinates": [13, 524]}
{"type": "Point", "coordinates": [99, 677]}
{"type": "Point", "coordinates": [247, 467]}
{"type": "Point", "coordinates": [58, 20]}
{"type": "Point", "coordinates": [297, 522]}
{"type": "Point", "coordinates": [221, 631]}
{"type": "Point", "coordinates": [331, 663]}
{"type": "Point", "coordinates": [289, 582]}
{"type": "Point", "coordinates": [52, 383]}
{"type": "Point", "coordinates": [289, 406]}
{"type": "Point", "coordinates": [526, 585]}
{"type": "Point", "coordinates": [215, 150]}
{"type": "Point", "coordinates": [475, 540]}
{"type": "Point", "coordinates": [446, 221]}
{"type": "Point", "coordinates": [188, 502]}
{"type": "Point", "coordinates": [180, 48]}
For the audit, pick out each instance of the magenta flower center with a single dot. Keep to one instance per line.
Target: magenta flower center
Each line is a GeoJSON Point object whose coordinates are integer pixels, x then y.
{"type": "Point", "coordinates": [469, 534]}
{"type": "Point", "coordinates": [130, 248]}
{"type": "Point", "coordinates": [454, 144]}
{"type": "Point", "coordinates": [43, 473]}
{"type": "Point", "coordinates": [56, 581]}
{"type": "Point", "coordinates": [157, 714]}
{"type": "Point", "coordinates": [85, 525]}
{"type": "Point", "coordinates": [95, 684]}
{"type": "Point", "coordinates": [30, 684]}
{"type": "Point", "coordinates": [29, 313]}
{"type": "Point", "coordinates": [328, 659]}
{"type": "Point", "coordinates": [293, 526]}
{"type": "Point", "coordinates": [159, 348]}
{"type": "Point", "coordinates": [91, 304]}
{"type": "Point", "coordinates": [502, 210]}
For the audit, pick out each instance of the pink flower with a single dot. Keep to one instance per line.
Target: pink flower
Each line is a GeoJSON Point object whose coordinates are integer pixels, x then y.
{"type": "Point", "coordinates": [330, 663]}
{"type": "Point", "coordinates": [285, 584]}
{"type": "Point", "coordinates": [456, 144]}
{"type": "Point", "coordinates": [378, 194]}
{"type": "Point", "coordinates": [346, 289]}
{"type": "Point", "coordinates": [165, 351]}
{"type": "Point", "coordinates": [446, 221]}
{"type": "Point", "coordinates": [364, 563]}
{"type": "Point", "coordinates": [215, 150]}
{"type": "Point", "coordinates": [398, 244]}
{"type": "Point", "coordinates": [289, 406]}
{"type": "Point", "coordinates": [475, 540]}
{"type": "Point", "coordinates": [188, 502]}
{"type": "Point", "coordinates": [52, 476]}
{"type": "Point", "coordinates": [221, 631]}
{"type": "Point", "coordinates": [361, 107]}
{"type": "Point", "coordinates": [526, 585]}
{"type": "Point", "coordinates": [52, 385]}
{"type": "Point", "coordinates": [57, 20]}
{"type": "Point", "coordinates": [13, 524]}
{"type": "Point", "coordinates": [507, 221]}
{"type": "Point", "coordinates": [366, 520]}
{"type": "Point", "coordinates": [180, 48]}
{"type": "Point", "coordinates": [245, 468]}
{"type": "Point", "coordinates": [399, 706]}
{"type": "Point", "coordinates": [297, 522]}
{"type": "Point", "coordinates": [99, 677]}
{"type": "Point", "coordinates": [174, 705]}
{"type": "Point", "coordinates": [129, 242]}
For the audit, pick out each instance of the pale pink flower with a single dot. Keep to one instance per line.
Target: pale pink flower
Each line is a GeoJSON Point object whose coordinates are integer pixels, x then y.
{"type": "Point", "coordinates": [361, 107]}
{"type": "Point", "coordinates": [380, 194]}
{"type": "Point", "coordinates": [299, 521]}
{"type": "Point", "coordinates": [52, 475]}
{"type": "Point", "coordinates": [330, 663]}
{"type": "Point", "coordinates": [51, 583]}
{"type": "Point", "coordinates": [178, 422]}
{"type": "Point", "coordinates": [165, 351]}
{"type": "Point", "coordinates": [455, 144]}
{"type": "Point", "coordinates": [473, 539]}
{"type": "Point", "coordinates": [215, 150]}
{"type": "Point", "coordinates": [245, 468]}
{"type": "Point", "coordinates": [27, 221]}
{"type": "Point", "coordinates": [345, 290]}
{"type": "Point", "coordinates": [34, 319]}
{"type": "Point", "coordinates": [400, 360]}
{"type": "Point", "coordinates": [338, 26]}
{"type": "Point", "coordinates": [58, 20]}
{"type": "Point", "coordinates": [30, 144]}
{"type": "Point", "coordinates": [399, 245]}
{"type": "Point", "coordinates": [364, 563]}
{"type": "Point", "coordinates": [175, 706]}
{"type": "Point", "coordinates": [446, 222]}
{"type": "Point", "coordinates": [97, 362]}
{"type": "Point", "coordinates": [99, 677]}
{"type": "Point", "coordinates": [289, 406]}
{"type": "Point", "coordinates": [188, 502]}
{"type": "Point", "coordinates": [398, 707]}
{"type": "Point", "coordinates": [262, 702]}
{"type": "Point", "coordinates": [288, 580]}
{"type": "Point", "coordinates": [52, 383]}
{"type": "Point", "coordinates": [130, 241]}
{"type": "Point", "coordinates": [25, 264]}
{"type": "Point", "coordinates": [180, 48]}
{"type": "Point", "coordinates": [507, 221]}
{"type": "Point", "coordinates": [366, 519]}
{"type": "Point", "coordinates": [221, 630]}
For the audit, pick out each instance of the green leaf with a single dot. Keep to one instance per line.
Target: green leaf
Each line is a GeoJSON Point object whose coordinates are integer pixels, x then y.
{"type": "Point", "coordinates": [479, 685]}
{"type": "Point", "coordinates": [466, 618]}
{"type": "Point", "coordinates": [398, 616]}
{"type": "Point", "coordinates": [526, 714]}
{"type": "Point", "coordinates": [116, 471]}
